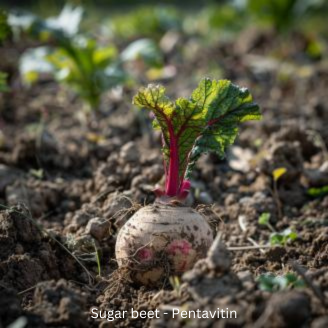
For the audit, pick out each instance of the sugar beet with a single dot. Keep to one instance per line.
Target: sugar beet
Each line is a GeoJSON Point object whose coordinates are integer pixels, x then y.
{"type": "Point", "coordinates": [162, 240]}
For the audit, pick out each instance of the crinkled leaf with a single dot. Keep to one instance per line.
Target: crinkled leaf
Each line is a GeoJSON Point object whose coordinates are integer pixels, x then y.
{"type": "Point", "coordinates": [207, 122]}
{"type": "Point", "coordinates": [153, 98]}
{"type": "Point", "coordinates": [181, 120]}
{"type": "Point", "coordinates": [189, 121]}
{"type": "Point", "coordinates": [226, 106]}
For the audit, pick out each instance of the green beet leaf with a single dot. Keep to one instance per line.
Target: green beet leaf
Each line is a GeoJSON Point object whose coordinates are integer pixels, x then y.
{"type": "Point", "coordinates": [206, 122]}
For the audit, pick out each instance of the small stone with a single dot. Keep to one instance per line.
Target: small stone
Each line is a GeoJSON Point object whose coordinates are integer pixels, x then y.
{"type": "Point", "coordinates": [116, 202]}
{"type": "Point", "coordinates": [230, 200]}
{"type": "Point", "coordinates": [7, 176]}
{"type": "Point", "coordinates": [284, 154]}
{"type": "Point", "coordinates": [205, 198]}
{"type": "Point", "coordinates": [245, 276]}
{"type": "Point", "coordinates": [289, 309]}
{"type": "Point", "coordinates": [190, 275]}
{"type": "Point", "coordinates": [239, 158]}
{"type": "Point", "coordinates": [97, 228]}
{"type": "Point", "coordinates": [321, 322]}
{"type": "Point", "coordinates": [19, 249]}
{"type": "Point", "coordinates": [129, 152]}
{"type": "Point", "coordinates": [218, 257]}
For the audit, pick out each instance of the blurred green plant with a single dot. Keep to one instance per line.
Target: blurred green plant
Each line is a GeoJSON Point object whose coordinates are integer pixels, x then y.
{"type": "Point", "coordinates": [57, 28]}
{"type": "Point", "coordinates": [277, 238]}
{"type": "Point", "coordinates": [272, 283]}
{"type": "Point", "coordinates": [315, 48]}
{"type": "Point", "coordinates": [5, 30]}
{"type": "Point", "coordinates": [284, 237]}
{"type": "Point", "coordinates": [143, 59]}
{"type": "Point", "coordinates": [72, 58]}
{"type": "Point", "coordinates": [276, 175]}
{"type": "Point", "coordinates": [145, 21]}
{"type": "Point", "coordinates": [284, 14]}
{"type": "Point", "coordinates": [37, 173]}
{"type": "Point", "coordinates": [145, 50]}
{"type": "Point", "coordinates": [318, 192]}
{"type": "Point", "coordinates": [223, 18]}
{"type": "Point", "coordinates": [176, 284]}
{"type": "Point", "coordinates": [3, 82]}
{"type": "Point", "coordinates": [264, 219]}
{"type": "Point", "coordinates": [280, 13]}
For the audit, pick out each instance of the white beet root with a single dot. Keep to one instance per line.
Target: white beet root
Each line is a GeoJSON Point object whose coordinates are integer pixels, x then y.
{"type": "Point", "coordinates": [162, 240]}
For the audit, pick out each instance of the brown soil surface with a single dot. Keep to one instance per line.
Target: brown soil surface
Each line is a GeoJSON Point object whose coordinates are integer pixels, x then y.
{"type": "Point", "coordinates": [72, 182]}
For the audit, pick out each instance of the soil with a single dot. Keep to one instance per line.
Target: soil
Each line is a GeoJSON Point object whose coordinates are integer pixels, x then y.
{"type": "Point", "coordinates": [70, 181]}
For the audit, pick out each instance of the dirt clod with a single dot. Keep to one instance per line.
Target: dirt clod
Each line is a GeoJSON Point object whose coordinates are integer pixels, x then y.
{"type": "Point", "coordinates": [287, 309]}
{"type": "Point", "coordinates": [98, 228]}
{"type": "Point", "coordinates": [59, 304]}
